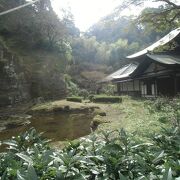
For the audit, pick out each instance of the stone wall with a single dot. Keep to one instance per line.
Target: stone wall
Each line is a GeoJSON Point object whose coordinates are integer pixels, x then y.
{"type": "Point", "coordinates": [14, 87]}
{"type": "Point", "coordinates": [17, 85]}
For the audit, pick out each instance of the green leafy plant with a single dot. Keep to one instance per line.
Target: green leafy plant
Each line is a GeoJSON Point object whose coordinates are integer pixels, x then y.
{"type": "Point", "coordinates": [108, 155]}
{"type": "Point", "coordinates": [72, 88]}
{"type": "Point", "coordinates": [167, 109]}
{"type": "Point", "coordinates": [109, 89]}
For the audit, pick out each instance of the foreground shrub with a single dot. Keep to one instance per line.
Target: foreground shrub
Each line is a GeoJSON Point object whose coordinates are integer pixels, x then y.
{"type": "Point", "coordinates": [103, 156]}
{"type": "Point", "coordinates": [107, 99]}
{"type": "Point", "coordinates": [167, 109]}
{"type": "Point", "coordinates": [74, 99]}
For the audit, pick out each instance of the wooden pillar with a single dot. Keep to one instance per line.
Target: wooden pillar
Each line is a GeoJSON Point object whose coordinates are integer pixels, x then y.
{"type": "Point", "coordinates": [127, 88]}
{"type": "Point", "coordinates": [155, 87]}
{"type": "Point", "coordinates": [175, 85]}
{"type": "Point", "coordinates": [140, 87]}
{"type": "Point", "coordinates": [133, 86]}
{"type": "Point", "coordinates": [117, 87]}
{"type": "Point", "coordinates": [122, 88]}
{"type": "Point", "coordinates": [1, 55]}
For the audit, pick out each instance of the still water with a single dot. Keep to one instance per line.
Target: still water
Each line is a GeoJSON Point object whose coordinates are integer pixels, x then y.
{"type": "Point", "coordinates": [55, 127]}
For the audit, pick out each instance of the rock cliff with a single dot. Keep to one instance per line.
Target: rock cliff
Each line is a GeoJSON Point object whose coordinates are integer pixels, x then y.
{"type": "Point", "coordinates": [18, 84]}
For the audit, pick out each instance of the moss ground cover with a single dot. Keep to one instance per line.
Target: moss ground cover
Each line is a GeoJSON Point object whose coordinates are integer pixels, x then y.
{"type": "Point", "coordinates": [62, 106]}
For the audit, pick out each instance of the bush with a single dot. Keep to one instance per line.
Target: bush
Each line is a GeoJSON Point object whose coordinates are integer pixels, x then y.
{"type": "Point", "coordinates": [74, 99]}
{"type": "Point", "coordinates": [84, 93]}
{"type": "Point", "coordinates": [107, 99]}
{"type": "Point", "coordinates": [90, 97]}
{"type": "Point", "coordinates": [102, 156]}
{"type": "Point", "coordinates": [167, 109]}
{"type": "Point", "coordinates": [109, 89]}
{"type": "Point", "coordinates": [72, 88]}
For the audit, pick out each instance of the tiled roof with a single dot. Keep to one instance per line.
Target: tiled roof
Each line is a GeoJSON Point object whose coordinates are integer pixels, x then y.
{"type": "Point", "coordinates": [124, 72]}
{"type": "Point", "coordinates": [165, 59]}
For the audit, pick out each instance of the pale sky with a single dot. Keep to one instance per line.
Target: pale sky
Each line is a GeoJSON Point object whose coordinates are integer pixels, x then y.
{"type": "Point", "coordinates": [88, 12]}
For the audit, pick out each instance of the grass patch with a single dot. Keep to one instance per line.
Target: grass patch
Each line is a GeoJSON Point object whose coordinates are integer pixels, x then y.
{"type": "Point", "coordinates": [134, 116]}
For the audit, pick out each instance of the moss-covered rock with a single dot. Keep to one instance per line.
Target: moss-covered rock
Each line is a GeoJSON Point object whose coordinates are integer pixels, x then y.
{"type": "Point", "coordinates": [62, 106]}
{"type": "Point", "coordinates": [97, 120]}
{"type": "Point", "coordinates": [99, 112]}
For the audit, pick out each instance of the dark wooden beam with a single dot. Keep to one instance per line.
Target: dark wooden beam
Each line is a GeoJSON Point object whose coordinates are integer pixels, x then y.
{"type": "Point", "coordinates": [175, 85]}
{"type": "Point", "coordinates": [155, 87]}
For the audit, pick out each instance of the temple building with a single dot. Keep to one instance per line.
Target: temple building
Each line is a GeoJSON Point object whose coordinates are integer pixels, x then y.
{"type": "Point", "coordinates": [151, 72]}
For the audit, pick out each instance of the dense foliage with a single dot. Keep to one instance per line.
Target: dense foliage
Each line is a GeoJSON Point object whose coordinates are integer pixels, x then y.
{"type": "Point", "coordinates": [167, 109]}
{"type": "Point", "coordinates": [164, 16]}
{"type": "Point", "coordinates": [102, 156]}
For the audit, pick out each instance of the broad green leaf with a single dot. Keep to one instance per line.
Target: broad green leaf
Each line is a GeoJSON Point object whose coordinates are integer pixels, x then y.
{"type": "Point", "coordinates": [25, 158]}
{"type": "Point", "coordinates": [32, 173]}
{"type": "Point", "coordinates": [143, 144]}
{"type": "Point", "coordinates": [10, 143]}
{"type": "Point", "coordinates": [159, 157]}
{"type": "Point", "coordinates": [4, 175]}
{"type": "Point", "coordinates": [78, 177]}
{"type": "Point", "coordinates": [167, 174]}
{"type": "Point", "coordinates": [121, 176]}
{"type": "Point", "coordinates": [142, 178]}
{"type": "Point", "coordinates": [19, 176]}
{"type": "Point", "coordinates": [94, 171]}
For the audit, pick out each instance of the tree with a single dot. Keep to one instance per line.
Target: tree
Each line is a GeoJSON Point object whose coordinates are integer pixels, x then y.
{"type": "Point", "coordinates": [33, 26]}
{"type": "Point", "coordinates": [119, 50]}
{"type": "Point", "coordinates": [68, 20]}
{"type": "Point", "coordinates": [167, 15]}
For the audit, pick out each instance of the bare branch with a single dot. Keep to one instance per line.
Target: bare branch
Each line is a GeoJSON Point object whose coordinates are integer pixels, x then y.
{"type": "Point", "coordinates": [171, 3]}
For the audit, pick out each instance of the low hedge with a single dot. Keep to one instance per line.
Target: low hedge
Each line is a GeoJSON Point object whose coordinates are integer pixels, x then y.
{"type": "Point", "coordinates": [74, 99]}
{"type": "Point", "coordinates": [107, 99]}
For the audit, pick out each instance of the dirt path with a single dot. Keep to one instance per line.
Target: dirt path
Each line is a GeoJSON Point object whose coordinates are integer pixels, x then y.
{"type": "Point", "coordinates": [114, 117]}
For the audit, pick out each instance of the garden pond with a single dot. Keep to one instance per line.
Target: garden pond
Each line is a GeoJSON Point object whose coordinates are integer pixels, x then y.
{"type": "Point", "coordinates": [57, 127]}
